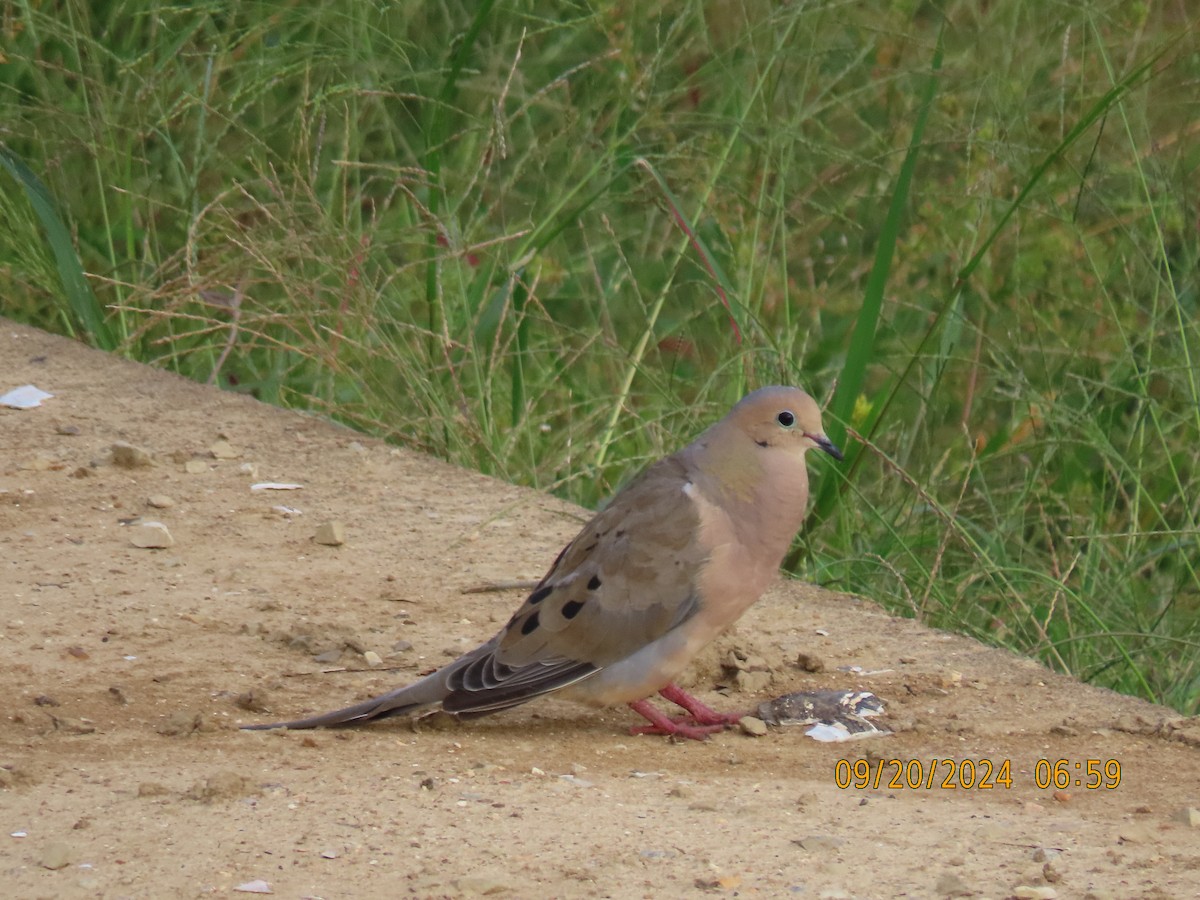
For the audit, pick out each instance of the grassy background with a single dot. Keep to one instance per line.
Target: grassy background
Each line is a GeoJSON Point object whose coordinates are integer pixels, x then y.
{"type": "Point", "coordinates": [550, 241]}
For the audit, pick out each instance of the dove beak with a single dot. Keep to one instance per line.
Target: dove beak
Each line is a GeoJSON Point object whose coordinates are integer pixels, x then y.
{"type": "Point", "coordinates": [827, 445]}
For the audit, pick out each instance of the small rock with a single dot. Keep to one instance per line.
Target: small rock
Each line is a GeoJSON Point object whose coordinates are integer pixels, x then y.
{"type": "Point", "coordinates": [221, 786]}
{"type": "Point", "coordinates": [1050, 873]}
{"type": "Point", "coordinates": [181, 722]}
{"type": "Point", "coordinates": [809, 662]}
{"type": "Point", "coordinates": [118, 693]}
{"type": "Point", "coordinates": [44, 700]}
{"type": "Point", "coordinates": [950, 885]}
{"type": "Point", "coordinates": [1188, 815]}
{"type": "Point", "coordinates": [128, 456]}
{"type": "Point", "coordinates": [948, 678]}
{"type": "Point", "coordinates": [483, 885]}
{"type": "Point", "coordinates": [254, 700]}
{"type": "Point", "coordinates": [152, 789]}
{"type": "Point", "coordinates": [224, 450]}
{"type": "Point", "coordinates": [69, 725]}
{"type": "Point", "coordinates": [56, 855]}
{"type": "Point", "coordinates": [332, 534]}
{"type": "Point", "coordinates": [1064, 731]}
{"type": "Point", "coordinates": [815, 842]}
{"type": "Point", "coordinates": [151, 536]}
{"type": "Point", "coordinates": [160, 501]}
{"type": "Point", "coordinates": [195, 467]}
{"type": "Point", "coordinates": [753, 726]}
{"type": "Point", "coordinates": [682, 791]}
{"type": "Point", "coordinates": [328, 658]}
{"type": "Point", "coordinates": [1034, 892]}
{"type": "Point", "coordinates": [752, 682]}
{"type": "Point", "coordinates": [1132, 833]}
{"type": "Point", "coordinates": [374, 660]}
{"type": "Point", "coordinates": [66, 429]}
{"type": "Point", "coordinates": [15, 775]}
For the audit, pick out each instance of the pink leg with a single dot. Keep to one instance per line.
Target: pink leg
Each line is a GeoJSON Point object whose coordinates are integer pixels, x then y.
{"type": "Point", "coordinates": [662, 724]}
{"type": "Point", "coordinates": [700, 713]}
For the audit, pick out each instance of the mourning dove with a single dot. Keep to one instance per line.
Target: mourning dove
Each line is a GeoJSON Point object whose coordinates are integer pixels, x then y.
{"type": "Point", "coordinates": [679, 554]}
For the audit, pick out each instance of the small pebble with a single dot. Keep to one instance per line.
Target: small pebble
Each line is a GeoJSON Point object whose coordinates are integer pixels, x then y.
{"type": "Point", "coordinates": [151, 536]}
{"type": "Point", "coordinates": [753, 726]}
{"type": "Point", "coordinates": [818, 842]}
{"type": "Point", "coordinates": [374, 660]}
{"type": "Point", "coordinates": [128, 456]}
{"type": "Point", "coordinates": [56, 855]}
{"type": "Point", "coordinates": [754, 682]}
{"type": "Point", "coordinates": [1188, 815]}
{"type": "Point", "coordinates": [195, 467]}
{"type": "Point", "coordinates": [224, 450]}
{"type": "Point", "coordinates": [66, 429]}
{"type": "Point", "coordinates": [160, 501]}
{"type": "Point", "coordinates": [951, 885]}
{"type": "Point", "coordinates": [1034, 892]}
{"type": "Point", "coordinates": [809, 662]}
{"type": "Point", "coordinates": [224, 785]}
{"type": "Point", "coordinates": [332, 534]}
{"type": "Point", "coordinates": [70, 725]}
{"type": "Point", "coordinates": [254, 700]}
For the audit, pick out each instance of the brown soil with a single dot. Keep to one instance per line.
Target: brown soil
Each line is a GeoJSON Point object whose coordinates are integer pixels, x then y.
{"type": "Point", "coordinates": [122, 773]}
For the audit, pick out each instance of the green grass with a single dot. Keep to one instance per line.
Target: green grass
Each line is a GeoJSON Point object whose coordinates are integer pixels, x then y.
{"type": "Point", "coordinates": [551, 241]}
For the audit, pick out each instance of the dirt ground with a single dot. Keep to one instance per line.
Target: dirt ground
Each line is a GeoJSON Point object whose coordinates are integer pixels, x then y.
{"type": "Point", "coordinates": [127, 670]}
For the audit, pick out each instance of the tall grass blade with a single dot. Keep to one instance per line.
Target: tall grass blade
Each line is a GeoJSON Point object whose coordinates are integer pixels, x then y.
{"type": "Point", "coordinates": [86, 313]}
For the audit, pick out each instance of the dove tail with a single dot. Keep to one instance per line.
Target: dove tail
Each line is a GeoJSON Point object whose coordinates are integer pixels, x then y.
{"type": "Point", "coordinates": [426, 692]}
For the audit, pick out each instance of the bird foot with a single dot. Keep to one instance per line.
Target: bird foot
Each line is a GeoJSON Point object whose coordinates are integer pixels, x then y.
{"type": "Point", "coordinates": [699, 712]}
{"type": "Point", "coordinates": [701, 720]}
{"type": "Point", "coordinates": [684, 727]}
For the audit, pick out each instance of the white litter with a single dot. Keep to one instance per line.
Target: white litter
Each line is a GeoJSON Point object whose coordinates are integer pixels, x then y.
{"type": "Point", "coordinates": [25, 397]}
{"type": "Point", "coordinates": [257, 886]}
{"type": "Point", "coordinates": [275, 486]}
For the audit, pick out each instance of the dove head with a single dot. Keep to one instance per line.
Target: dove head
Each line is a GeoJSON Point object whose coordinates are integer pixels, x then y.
{"type": "Point", "coordinates": [784, 419]}
{"type": "Point", "coordinates": [755, 455]}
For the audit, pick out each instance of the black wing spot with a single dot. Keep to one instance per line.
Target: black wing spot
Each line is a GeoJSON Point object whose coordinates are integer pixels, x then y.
{"type": "Point", "coordinates": [571, 608]}
{"type": "Point", "coordinates": [540, 594]}
{"type": "Point", "coordinates": [531, 624]}
{"type": "Point", "coordinates": [594, 583]}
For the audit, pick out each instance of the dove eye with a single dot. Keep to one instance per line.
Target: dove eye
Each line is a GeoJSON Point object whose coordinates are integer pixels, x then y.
{"type": "Point", "coordinates": [786, 419]}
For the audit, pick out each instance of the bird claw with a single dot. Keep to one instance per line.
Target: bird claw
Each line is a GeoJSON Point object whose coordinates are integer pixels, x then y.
{"type": "Point", "coordinates": [679, 728]}
{"type": "Point", "coordinates": [697, 725]}
{"type": "Point", "coordinates": [700, 713]}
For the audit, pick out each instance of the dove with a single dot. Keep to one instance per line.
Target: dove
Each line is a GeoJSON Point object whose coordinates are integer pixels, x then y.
{"type": "Point", "coordinates": [675, 557]}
